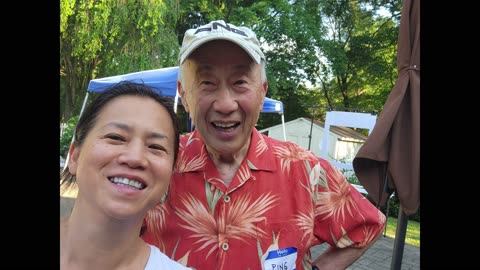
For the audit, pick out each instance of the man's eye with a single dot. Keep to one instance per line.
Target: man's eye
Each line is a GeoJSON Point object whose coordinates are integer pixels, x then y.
{"type": "Point", "coordinates": [240, 82]}
{"type": "Point", "coordinates": [206, 82]}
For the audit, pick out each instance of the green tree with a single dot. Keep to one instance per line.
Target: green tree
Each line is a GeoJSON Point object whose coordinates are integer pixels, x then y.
{"type": "Point", "coordinates": [107, 37]}
{"type": "Point", "coordinates": [320, 53]}
{"type": "Point", "coordinates": [67, 135]}
{"type": "Point", "coordinates": [360, 49]}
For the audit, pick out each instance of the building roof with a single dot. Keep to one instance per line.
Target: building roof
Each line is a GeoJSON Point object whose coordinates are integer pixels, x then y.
{"type": "Point", "coordinates": [346, 133]}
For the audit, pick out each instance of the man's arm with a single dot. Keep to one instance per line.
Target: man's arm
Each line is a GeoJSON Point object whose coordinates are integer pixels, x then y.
{"type": "Point", "coordinates": [340, 258]}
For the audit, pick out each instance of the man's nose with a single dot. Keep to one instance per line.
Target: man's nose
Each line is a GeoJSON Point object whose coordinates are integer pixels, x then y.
{"type": "Point", "coordinates": [225, 101]}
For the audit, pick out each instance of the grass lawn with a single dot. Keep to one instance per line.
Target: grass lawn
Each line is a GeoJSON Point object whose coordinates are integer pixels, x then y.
{"type": "Point", "coordinates": [412, 236]}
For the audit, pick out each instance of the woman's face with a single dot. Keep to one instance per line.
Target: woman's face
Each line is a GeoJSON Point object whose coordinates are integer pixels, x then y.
{"type": "Point", "coordinates": [125, 164]}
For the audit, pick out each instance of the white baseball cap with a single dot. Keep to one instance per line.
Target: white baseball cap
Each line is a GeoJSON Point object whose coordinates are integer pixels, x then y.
{"type": "Point", "coordinates": [215, 30]}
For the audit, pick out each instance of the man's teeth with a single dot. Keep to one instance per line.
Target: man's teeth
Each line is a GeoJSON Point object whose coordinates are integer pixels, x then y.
{"type": "Point", "coordinates": [224, 125]}
{"type": "Point", "coordinates": [127, 182]}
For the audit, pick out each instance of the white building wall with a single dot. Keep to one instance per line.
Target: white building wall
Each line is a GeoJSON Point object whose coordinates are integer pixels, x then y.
{"type": "Point", "coordinates": [347, 150]}
{"type": "Point", "coordinates": [298, 130]}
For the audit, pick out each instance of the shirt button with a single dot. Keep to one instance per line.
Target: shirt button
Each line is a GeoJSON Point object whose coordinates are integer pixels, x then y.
{"type": "Point", "coordinates": [226, 198]}
{"type": "Point", "coordinates": [225, 246]}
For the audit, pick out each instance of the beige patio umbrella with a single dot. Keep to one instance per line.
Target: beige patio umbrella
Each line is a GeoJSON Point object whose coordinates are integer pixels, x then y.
{"type": "Point", "coordinates": [390, 158]}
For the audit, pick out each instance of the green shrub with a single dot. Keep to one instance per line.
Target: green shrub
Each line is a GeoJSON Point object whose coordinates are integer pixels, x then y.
{"type": "Point", "coordinates": [352, 179]}
{"type": "Point", "coordinates": [394, 203]}
{"type": "Point", "coordinates": [393, 207]}
{"type": "Point", "coordinates": [67, 135]}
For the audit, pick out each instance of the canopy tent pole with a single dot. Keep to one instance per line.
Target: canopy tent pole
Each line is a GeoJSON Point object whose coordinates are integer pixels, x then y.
{"type": "Point", "coordinates": [175, 104]}
{"type": "Point", "coordinates": [283, 125]}
{"type": "Point", "coordinates": [73, 134]}
{"type": "Point", "coordinates": [84, 104]}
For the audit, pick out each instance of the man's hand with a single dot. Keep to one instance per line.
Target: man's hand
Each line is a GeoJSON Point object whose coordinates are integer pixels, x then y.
{"type": "Point", "coordinates": [340, 258]}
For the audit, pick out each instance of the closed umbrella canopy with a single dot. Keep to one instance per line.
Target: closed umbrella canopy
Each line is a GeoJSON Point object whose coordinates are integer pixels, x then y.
{"type": "Point", "coordinates": [390, 158]}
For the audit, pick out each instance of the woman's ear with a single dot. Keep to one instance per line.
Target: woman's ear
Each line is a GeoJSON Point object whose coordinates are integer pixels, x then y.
{"type": "Point", "coordinates": [73, 152]}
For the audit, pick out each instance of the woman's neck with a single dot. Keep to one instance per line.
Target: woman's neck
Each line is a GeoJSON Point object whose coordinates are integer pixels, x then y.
{"type": "Point", "coordinates": [100, 243]}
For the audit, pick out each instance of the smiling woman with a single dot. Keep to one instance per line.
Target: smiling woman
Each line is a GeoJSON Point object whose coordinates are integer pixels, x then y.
{"type": "Point", "coordinates": [122, 158]}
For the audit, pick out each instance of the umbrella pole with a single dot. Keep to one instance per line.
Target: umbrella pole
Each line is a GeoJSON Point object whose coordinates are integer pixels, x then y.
{"type": "Point", "coordinates": [399, 243]}
{"type": "Point", "coordinates": [386, 220]}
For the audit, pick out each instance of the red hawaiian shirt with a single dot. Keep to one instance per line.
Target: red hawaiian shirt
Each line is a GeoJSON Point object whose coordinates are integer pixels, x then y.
{"type": "Point", "coordinates": [282, 201]}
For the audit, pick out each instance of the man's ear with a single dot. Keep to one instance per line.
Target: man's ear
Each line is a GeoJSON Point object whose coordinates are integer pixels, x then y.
{"type": "Point", "coordinates": [265, 87]}
{"type": "Point", "coordinates": [73, 152]}
{"type": "Point", "coordinates": [181, 92]}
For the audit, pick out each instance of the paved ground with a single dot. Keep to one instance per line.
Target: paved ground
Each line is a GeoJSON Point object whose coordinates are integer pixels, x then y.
{"type": "Point", "coordinates": [378, 257]}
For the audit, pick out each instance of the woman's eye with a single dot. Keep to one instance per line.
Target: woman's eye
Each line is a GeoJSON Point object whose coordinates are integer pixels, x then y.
{"type": "Point", "coordinates": [115, 137]}
{"type": "Point", "coordinates": [157, 147]}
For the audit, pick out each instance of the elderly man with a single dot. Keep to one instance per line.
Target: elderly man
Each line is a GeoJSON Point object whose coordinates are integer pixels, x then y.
{"type": "Point", "coordinates": [242, 200]}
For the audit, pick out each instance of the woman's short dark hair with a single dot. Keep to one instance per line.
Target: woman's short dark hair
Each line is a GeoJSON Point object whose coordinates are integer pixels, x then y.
{"type": "Point", "coordinates": [90, 115]}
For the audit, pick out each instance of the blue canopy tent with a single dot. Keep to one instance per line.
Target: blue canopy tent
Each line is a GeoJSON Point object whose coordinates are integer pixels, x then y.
{"type": "Point", "coordinates": [165, 80]}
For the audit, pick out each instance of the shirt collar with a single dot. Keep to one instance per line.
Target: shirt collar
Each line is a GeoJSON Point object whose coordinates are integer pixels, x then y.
{"type": "Point", "coordinates": [260, 156]}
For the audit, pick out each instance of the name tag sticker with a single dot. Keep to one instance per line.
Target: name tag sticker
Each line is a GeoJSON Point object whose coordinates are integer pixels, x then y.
{"type": "Point", "coordinates": [281, 259]}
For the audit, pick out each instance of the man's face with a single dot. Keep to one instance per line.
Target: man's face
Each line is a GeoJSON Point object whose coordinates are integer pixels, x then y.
{"type": "Point", "coordinates": [224, 93]}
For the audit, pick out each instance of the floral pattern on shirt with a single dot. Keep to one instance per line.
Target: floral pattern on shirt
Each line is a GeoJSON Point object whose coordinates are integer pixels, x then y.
{"type": "Point", "coordinates": [281, 196]}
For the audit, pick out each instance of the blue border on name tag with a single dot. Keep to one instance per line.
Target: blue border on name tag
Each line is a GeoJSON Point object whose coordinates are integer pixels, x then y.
{"type": "Point", "coordinates": [281, 252]}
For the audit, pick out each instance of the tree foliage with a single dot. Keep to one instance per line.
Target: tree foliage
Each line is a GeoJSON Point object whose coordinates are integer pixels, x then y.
{"type": "Point", "coordinates": [360, 48]}
{"type": "Point", "coordinates": [320, 53]}
{"type": "Point", "coordinates": [109, 37]}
